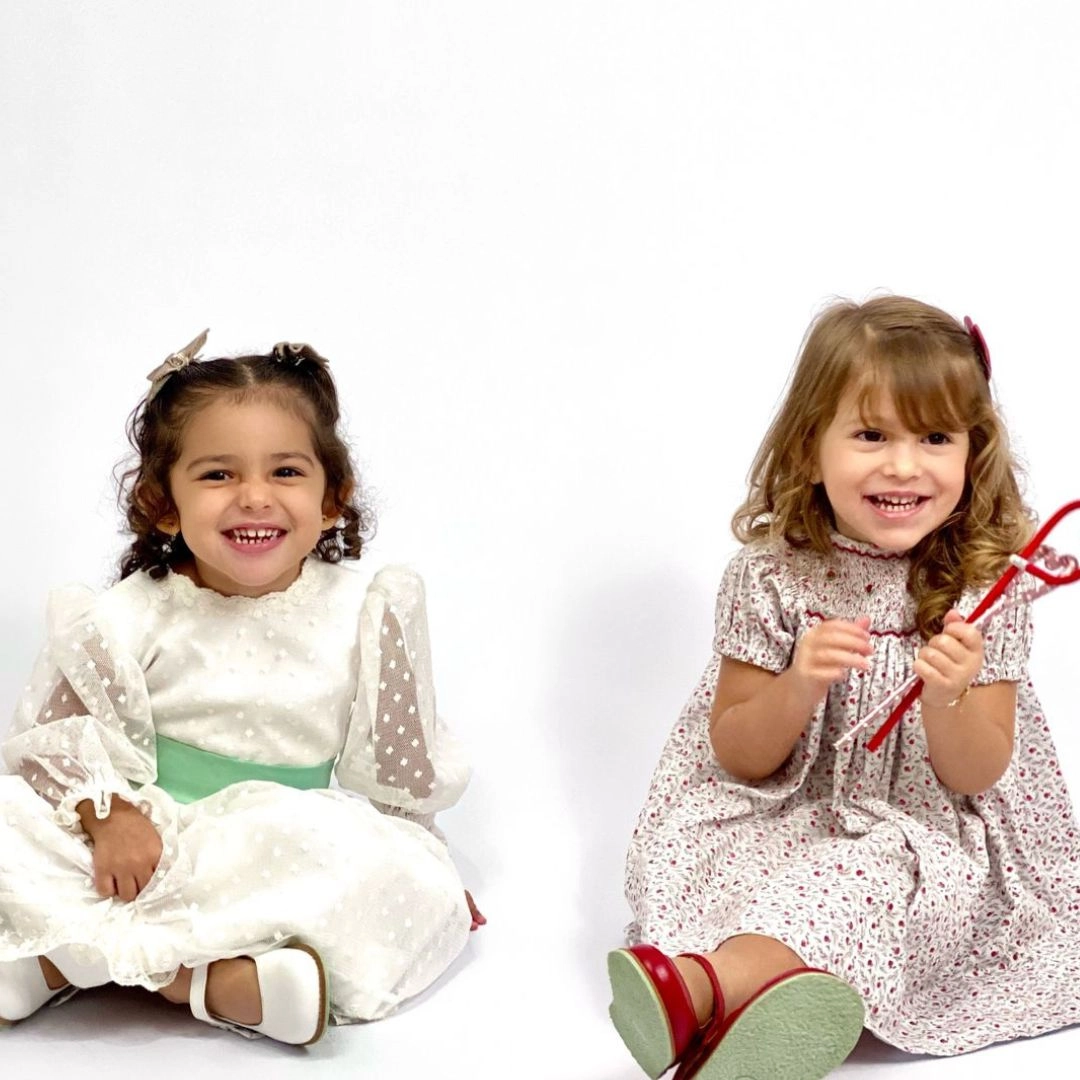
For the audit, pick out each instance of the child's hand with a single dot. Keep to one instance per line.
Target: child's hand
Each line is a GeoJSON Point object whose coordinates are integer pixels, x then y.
{"type": "Point", "coordinates": [830, 650]}
{"type": "Point", "coordinates": [127, 849]}
{"type": "Point", "coordinates": [478, 920]}
{"type": "Point", "coordinates": [949, 661]}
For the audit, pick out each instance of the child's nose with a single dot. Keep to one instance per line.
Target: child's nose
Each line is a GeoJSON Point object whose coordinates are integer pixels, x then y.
{"type": "Point", "coordinates": [903, 460]}
{"type": "Point", "coordinates": [254, 494]}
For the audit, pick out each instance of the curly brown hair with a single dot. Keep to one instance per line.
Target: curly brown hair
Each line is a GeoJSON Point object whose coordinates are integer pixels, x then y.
{"type": "Point", "coordinates": [156, 427]}
{"type": "Point", "coordinates": [928, 364]}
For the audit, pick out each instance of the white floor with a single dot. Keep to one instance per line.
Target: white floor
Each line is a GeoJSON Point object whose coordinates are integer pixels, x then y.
{"type": "Point", "coordinates": [549, 1024]}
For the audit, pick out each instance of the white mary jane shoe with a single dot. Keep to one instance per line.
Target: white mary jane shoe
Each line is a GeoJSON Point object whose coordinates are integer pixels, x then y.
{"type": "Point", "coordinates": [83, 967]}
{"type": "Point", "coordinates": [23, 989]}
{"type": "Point", "coordinates": [295, 997]}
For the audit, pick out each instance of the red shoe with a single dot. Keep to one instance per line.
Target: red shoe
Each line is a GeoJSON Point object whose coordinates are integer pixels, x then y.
{"type": "Point", "coordinates": [800, 1026]}
{"type": "Point", "coordinates": [652, 1010]}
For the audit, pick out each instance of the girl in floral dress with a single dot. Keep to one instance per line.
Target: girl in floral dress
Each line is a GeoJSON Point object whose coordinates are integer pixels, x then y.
{"type": "Point", "coordinates": [929, 889]}
{"type": "Point", "coordinates": [170, 821]}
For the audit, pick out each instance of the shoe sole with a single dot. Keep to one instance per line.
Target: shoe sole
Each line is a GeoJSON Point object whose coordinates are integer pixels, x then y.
{"type": "Point", "coordinates": [639, 1015]}
{"type": "Point", "coordinates": [800, 1029]}
{"type": "Point", "coordinates": [324, 997]}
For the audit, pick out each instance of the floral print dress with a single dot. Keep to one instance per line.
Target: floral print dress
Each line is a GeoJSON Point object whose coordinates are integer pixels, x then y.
{"type": "Point", "coordinates": [957, 918]}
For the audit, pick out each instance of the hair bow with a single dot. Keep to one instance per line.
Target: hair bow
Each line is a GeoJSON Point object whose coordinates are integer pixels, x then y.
{"type": "Point", "coordinates": [189, 354]}
{"type": "Point", "coordinates": [981, 351]}
{"type": "Point", "coordinates": [295, 353]}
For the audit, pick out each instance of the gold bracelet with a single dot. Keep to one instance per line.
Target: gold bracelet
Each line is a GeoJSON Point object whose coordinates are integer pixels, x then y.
{"type": "Point", "coordinates": [956, 701]}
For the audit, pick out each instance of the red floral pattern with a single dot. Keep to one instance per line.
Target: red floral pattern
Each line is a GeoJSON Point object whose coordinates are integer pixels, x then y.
{"type": "Point", "coordinates": [956, 918]}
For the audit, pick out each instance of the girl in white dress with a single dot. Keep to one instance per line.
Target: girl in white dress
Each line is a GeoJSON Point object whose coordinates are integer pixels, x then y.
{"type": "Point", "coordinates": [930, 887]}
{"type": "Point", "coordinates": [169, 820]}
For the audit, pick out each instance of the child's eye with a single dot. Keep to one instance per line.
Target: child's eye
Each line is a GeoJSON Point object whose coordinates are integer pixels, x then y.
{"type": "Point", "coordinates": [869, 435]}
{"type": "Point", "coordinates": [215, 474]}
{"type": "Point", "coordinates": [288, 471]}
{"type": "Point", "coordinates": [939, 438]}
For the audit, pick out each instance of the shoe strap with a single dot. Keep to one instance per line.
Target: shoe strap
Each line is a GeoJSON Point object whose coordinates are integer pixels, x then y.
{"type": "Point", "coordinates": [197, 1002]}
{"type": "Point", "coordinates": [719, 1006]}
{"type": "Point", "coordinates": [65, 993]}
{"type": "Point", "coordinates": [197, 995]}
{"type": "Point", "coordinates": [709, 1035]}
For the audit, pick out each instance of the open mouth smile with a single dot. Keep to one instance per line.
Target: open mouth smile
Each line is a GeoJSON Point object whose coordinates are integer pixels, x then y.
{"type": "Point", "coordinates": [896, 505]}
{"type": "Point", "coordinates": [253, 538]}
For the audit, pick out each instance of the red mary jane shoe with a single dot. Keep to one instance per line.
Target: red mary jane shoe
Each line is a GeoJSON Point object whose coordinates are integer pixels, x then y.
{"type": "Point", "coordinates": [800, 1026]}
{"type": "Point", "coordinates": [652, 1010]}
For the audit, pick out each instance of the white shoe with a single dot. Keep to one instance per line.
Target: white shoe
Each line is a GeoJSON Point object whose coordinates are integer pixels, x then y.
{"type": "Point", "coordinates": [294, 992]}
{"type": "Point", "coordinates": [82, 966]}
{"type": "Point", "coordinates": [23, 989]}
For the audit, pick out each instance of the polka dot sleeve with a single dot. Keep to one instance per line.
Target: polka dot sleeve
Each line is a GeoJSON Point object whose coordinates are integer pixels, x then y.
{"type": "Point", "coordinates": [82, 727]}
{"type": "Point", "coordinates": [398, 752]}
{"type": "Point", "coordinates": [751, 623]}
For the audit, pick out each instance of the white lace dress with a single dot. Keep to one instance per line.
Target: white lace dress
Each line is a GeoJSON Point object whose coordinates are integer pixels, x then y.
{"type": "Point", "coordinates": [325, 673]}
{"type": "Point", "coordinates": [957, 919]}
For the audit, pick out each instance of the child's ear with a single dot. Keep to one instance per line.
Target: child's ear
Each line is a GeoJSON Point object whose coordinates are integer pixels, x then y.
{"type": "Point", "coordinates": [169, 525]}
{"type": "Point", "coordinates": [334, 504]}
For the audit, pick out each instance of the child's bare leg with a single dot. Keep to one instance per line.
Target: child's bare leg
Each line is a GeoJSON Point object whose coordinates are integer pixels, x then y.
{"type": "Point", "coordinates": [743, 965]}
{"type": "Point", "coordinates": [53, 979]}
{"type": "Point", "coordinates": [232, 990]}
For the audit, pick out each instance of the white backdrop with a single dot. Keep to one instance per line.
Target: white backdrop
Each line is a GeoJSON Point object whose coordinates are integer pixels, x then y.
{"type": "Point", "coordinates": [561, 256]}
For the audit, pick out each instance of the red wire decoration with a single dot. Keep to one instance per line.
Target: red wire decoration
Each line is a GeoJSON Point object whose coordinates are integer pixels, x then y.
{"type": "Point", "coordinates": [1020, 563]}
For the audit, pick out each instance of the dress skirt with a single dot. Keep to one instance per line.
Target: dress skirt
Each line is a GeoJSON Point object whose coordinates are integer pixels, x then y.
{"type": "Point", "coordinates": [242, 872]}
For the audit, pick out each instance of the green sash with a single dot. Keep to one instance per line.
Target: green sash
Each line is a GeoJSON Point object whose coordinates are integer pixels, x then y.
{"type": "Point", "coordinates": [188, 773]}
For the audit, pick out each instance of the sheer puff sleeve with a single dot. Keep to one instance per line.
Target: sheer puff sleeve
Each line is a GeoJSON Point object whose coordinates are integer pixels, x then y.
{"type": "Point", "coordinates": [398, 752]}
{"type": "Point", "coordinates": [82, 728]}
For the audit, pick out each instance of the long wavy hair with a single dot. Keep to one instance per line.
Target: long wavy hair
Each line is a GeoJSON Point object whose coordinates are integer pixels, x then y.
{"type": "Point", "coordinates": [929, 366]}
{"type": "Point", "coordinates": [156, 429]}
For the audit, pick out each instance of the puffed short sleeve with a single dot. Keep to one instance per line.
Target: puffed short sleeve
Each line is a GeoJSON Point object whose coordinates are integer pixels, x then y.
{"type": "Point", "coordinates": [82, 726]}
{"type": "Point", "coordinates": [398, 752]}
{"type": "Point", "coordinates": [751, 623]}
{"type": "Point", "coordinates": [1006, 646]}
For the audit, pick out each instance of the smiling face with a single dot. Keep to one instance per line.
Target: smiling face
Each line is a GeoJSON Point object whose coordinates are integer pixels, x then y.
{"type": "Point", "coordinates": [888, 485]}
{"type": "Point", "coordinates": [250, 496]}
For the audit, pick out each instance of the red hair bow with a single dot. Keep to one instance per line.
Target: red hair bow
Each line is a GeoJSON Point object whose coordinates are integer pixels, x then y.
{"type": "Point", "coordinates": [981, 351]}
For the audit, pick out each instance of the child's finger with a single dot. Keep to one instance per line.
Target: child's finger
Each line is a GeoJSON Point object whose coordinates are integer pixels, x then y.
{"type": "Point", "coordinates": [849, 638]}
{"type": "Point", "coordinates": [949, 647]}
{"type": "Point", "coordinates": [105, 883]}
{"type": "Point", "coordinates": [963, 632]}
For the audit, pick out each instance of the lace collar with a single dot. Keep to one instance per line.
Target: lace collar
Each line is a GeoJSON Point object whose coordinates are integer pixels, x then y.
{"type": "Point", "coordinates": [180, 588]}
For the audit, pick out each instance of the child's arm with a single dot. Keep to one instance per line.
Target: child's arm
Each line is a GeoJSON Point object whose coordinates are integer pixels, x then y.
{"type": "Point", "coordinates": [757, 717]}
{"type": "Point", "coordinates": [969, 735]}
{"type": "Point", "coordinates": [82, 730]}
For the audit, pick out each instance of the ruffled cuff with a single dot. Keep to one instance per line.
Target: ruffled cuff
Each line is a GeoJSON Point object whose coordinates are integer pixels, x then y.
{"type": "Point", "coordinates": [100, 792]}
